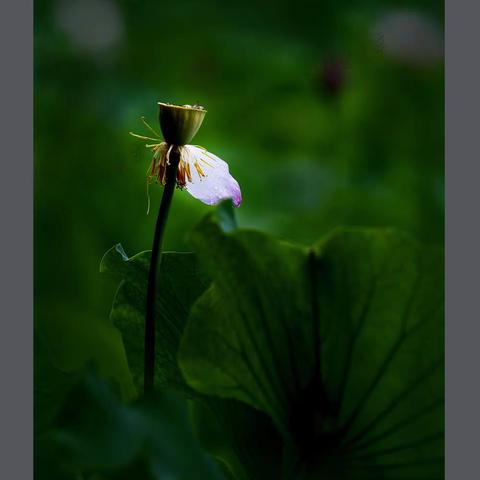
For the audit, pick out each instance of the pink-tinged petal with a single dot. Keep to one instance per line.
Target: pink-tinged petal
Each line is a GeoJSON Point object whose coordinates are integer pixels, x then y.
{"type": "Point", "coordinates": [217, 184]}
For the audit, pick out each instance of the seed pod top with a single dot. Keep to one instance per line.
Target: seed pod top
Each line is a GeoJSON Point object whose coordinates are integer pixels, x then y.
{"type": "Point", "coordinates": [180, 123]}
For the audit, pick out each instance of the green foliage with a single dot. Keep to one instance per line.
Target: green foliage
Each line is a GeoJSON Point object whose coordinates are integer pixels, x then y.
{"type": "Point", "coordinates": [322, 362]}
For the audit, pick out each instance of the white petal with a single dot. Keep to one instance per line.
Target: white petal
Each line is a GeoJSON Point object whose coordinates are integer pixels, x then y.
{"type": "Point", "coordinates": [217, 184]}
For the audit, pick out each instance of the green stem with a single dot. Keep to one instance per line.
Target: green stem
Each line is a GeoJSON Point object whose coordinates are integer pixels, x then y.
{"type": "Point", "coordinates": [171, 174]}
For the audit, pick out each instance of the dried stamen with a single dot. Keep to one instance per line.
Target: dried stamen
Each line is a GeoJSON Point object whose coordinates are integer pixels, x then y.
{"type": "Point", "coordinates": [150, 128]}
{"type": "Point", "coordinates": [198, 169]}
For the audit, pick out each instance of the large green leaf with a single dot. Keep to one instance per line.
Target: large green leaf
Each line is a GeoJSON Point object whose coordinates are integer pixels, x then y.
{"type": "Point", "coordinates": [341, 345]}
{"type": "Point", "coordinates": [180, 284]}
{"type": "Point", "coordinates": [250, 322]}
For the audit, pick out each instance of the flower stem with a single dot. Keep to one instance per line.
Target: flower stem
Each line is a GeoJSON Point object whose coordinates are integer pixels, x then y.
{"type": "Point", "coordinates": [149, 366]}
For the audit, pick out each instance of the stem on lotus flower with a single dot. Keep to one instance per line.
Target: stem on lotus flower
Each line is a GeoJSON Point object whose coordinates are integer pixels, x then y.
{"type": "Point", "coordinates": [149, 365]}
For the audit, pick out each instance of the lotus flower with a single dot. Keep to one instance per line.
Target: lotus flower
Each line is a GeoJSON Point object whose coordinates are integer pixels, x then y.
{"type": "Point", "coordinates": [201, 173]}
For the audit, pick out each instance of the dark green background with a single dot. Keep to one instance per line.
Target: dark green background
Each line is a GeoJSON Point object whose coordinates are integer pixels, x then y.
{"type": "Point", "coordinates": [307, 159]}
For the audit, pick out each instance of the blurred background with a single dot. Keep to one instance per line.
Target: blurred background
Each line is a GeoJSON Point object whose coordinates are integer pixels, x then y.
{"type": "Point", "coordinates": [328, 112]}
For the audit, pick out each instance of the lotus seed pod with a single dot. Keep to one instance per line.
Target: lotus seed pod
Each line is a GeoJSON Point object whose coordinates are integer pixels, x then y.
{"type": "Point", "coordinates": [179, 124]}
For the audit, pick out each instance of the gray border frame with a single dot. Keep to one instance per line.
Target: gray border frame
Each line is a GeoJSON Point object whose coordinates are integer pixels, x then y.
{"type": "Point", "coordinates": [16, 207]}
{"type": "Point", "coordinates": [462, 109]}
{"type": "Point", "coordinates": [462, 235]}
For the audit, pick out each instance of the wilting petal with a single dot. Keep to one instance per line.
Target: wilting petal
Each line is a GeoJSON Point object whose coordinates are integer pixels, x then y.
{"type": "Point", "coordinates": [211, 181]}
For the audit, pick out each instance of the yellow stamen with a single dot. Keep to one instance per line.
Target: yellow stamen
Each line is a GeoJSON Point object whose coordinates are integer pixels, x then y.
{"type": "Point", "coordinates": [199, 169]}
{"type": "Point", "coordinates": [206, 163]}
{"type": "Point", "coordinates": [143, 137]}
{"type": "Point", "coordinates": [181, 174]}
{"type": "Point", "coordinates": [150, 128]}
